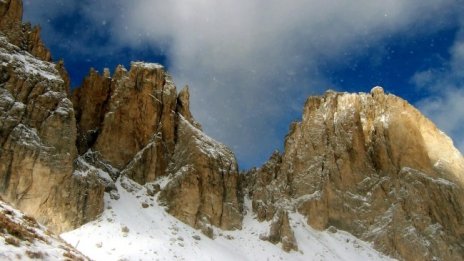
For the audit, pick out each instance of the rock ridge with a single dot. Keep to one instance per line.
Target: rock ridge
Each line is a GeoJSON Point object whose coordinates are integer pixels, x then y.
{"type": "Point", "coordinates": [367, 163]}
{"type": "Point", "coordinates": [372, 165]}
{"type": "Point", "coordinates": [22, 35]}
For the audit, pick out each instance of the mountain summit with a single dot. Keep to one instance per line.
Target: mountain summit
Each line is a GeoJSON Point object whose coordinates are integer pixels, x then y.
{"type": "Point", "coordinates": [372, 165]}
{"type": "Point", "coordinates": [121, 159]}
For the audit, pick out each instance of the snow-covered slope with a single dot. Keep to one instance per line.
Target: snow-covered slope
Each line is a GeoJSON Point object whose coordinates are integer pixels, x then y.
{"type": "Point", "coordinates": [136, 227]}
{"type": "Point", "coordinates": [22, 238]}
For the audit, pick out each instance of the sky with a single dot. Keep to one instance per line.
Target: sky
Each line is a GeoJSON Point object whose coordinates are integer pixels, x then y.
{"type": "Point", "coordinates": [251, 64]}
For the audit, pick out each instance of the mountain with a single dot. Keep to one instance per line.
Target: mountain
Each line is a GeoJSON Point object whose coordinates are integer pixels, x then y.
{"type": "Point", "coordinates": [372, 165]}
{"type": "Point", "coordinates": [137, 227]}
{"type": "Point", "coordinates": [38, 132]}
{"type": "Point", "coordinates": [122, 170]}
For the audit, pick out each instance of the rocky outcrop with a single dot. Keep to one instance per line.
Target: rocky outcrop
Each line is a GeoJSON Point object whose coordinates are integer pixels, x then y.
{"type": "Point", "coordinates": [58, 157]}
{"type": "Point", "coordinates": [369, 164]}
{"type": "Point", "coordinates": [21, 237]}
{"type": "Point", "coordinates": [157, 136]}
{"type": "Point", "coordinates": [11, 13]}
{"type": "Point", "coordinates": [203, 189]}
{"type": "Point", "coordinates": [38, 131]}
{"type": "Point", "coordinates": [372, 165]}
{"type": "Point", "coordinates": [90, 104]}
{"type": "Point", "coordinates": [129, 119]}
{"type": "Point", "coordinates": [282, 232]}
{"type": "Point", "coordinates": [256, 184]}
{"type": "Point", "coordinates": [37, 137]}
{"type": "Point", "coordinates": [22, 35]}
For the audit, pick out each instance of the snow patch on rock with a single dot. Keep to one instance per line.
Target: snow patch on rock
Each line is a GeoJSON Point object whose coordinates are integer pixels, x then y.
{"type": "Point", "coordinates": [22, 238]}
{"type": "Point", "coordinates": [10, 55]}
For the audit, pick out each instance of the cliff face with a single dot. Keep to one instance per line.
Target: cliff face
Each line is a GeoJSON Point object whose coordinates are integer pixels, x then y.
{"type": "Point", "coordinates": [22, 35]}
{"type": "Point", "coordinates": [372, 165]}
{"type": "Point", "coordinates": [121, 116]}
{"type": "Point", "coordinates": [203, 190]}
{"type": "Point", "coordinates": [369, 164]}
{"type": "Point", "coordinates": [59, 154]}
{"type": "Point", "coordinates": [137, 123]}
{"type": "Point", "coordinates": [38, 133]}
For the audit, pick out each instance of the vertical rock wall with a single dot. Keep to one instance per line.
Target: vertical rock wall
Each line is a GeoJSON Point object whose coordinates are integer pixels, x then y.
{"type": "Point", "coordinates": [372, 165]}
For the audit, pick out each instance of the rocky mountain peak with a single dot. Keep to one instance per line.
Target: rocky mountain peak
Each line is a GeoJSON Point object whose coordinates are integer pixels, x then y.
{"type": "Point", "coordinates": [373, 165]}
{"type": "Point", "coordinates": [157, 136]}
{"type": "Point", "coordinates": [38, 136]}
{"type": "Point", "coordinates": [22, 35]}
{"type": "Point", "coordinates": [11, 13]}
{"type": "Point", "coordinates": [134, 105]}
{"type": "Point", "coordinates": [366, 163]}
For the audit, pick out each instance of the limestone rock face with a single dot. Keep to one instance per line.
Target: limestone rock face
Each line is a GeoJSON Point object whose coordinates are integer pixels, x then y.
{"type": "Point", "coordinates": [22, 35]}
{"type": "Point", "coordinates": [37, 137]}
{"type": "Point", "coordinates": [11, 13]}
{"type": "Point", "coordinates": [90, 104]}
{"type": "Point", "coordinates": [281, 231]}
{"type": "Point", "coordinates": [369, 164]}
{"type": "Point", "coordinates": [257, 185]}
{"type": "Point", "coordinates": [183, 107]}
{"type": "Point", "coordinates": [135, 122]}
{"type": "Point", "coordinates": [372, 165]}
{"type": "Point", "coordinates": [203, 189]}
{"type": "Point", "coordinates": [128, 118]}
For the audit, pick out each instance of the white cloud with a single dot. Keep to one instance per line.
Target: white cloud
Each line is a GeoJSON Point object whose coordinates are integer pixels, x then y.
{"type": "Point", "coordinates": [445, 105]}
{"type": "Point", "coordinates": [447, 111]}
{"type": "Point", "coordinates": [251, 64]}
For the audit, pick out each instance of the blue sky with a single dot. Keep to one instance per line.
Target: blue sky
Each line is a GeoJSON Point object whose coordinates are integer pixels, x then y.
{"type": "Point", "coordinates": [252, 64]}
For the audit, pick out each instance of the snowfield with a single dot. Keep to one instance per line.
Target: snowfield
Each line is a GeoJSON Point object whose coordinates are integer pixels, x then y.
{"type": "Point", "coordinates": [136, 227]}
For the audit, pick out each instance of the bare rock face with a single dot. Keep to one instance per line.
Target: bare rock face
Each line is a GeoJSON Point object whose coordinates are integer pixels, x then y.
{"type": "Point", "coordinates": [281, 232]}
{"type": "Point", "coordinates": [90, 104]}
{"type": "Point", "coordinates": [141, 108]}
{"type": "Point", "coordinates": [135, 122]}
{"type": "Point", "coordinates": [22, 35]}
{"type": "Point", "coordinates": [372, 165]}
{"type": "Point", "coordinates": [11, 13]}
{"type": "Point", "coordinates": [257, 185]}
{"type": "Point", "coordinates": [37, 144]}
{"type": "Point", "coordinates": [129, 119]}
{"type": "Point", "coordinates": [23, 238]}
{"type": "Point", "coordinates": [183, 106]}
{"type": "Point", "coordinates": [203, 189]}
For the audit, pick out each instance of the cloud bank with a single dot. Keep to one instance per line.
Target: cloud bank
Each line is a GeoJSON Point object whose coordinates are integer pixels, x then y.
{"type": "Point", "coordinates": [445, 106]}
{"type": "Point", "coordinates": [251, 64]}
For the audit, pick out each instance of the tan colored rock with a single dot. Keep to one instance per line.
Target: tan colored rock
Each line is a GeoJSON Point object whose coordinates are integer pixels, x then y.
{"type": "Point", "coordinates": [281, 232]}
{"type": "Point", "coordinates": [372, 165]}
{"type": "Point", "coordinates": [37, 137]}
{"type": "Point", "coordinates": [90, 104]}
{"type": "Point", "coordinates": [203, 189]}
{"type": "Point", "coordinates": [129, 119]}
{"type": "Point", "coordinates": [183, 106]}
{"type": "Point", "coordinates": [157, 136]}
{"type": "Point", "coordinates": [141, 107]}
{"type": "Point", "coordinates": [58, 157]}
{"type": "Point", "coordinates": [22, 35]}
{"type": "Point", "coordinates": [11, 13]}
{"type": "Point", "coordinates": [34, 44]}
{"type": "Point", "coordinates": [64, 75]}
{"type": "Point", "coordinates": [259, 186]}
